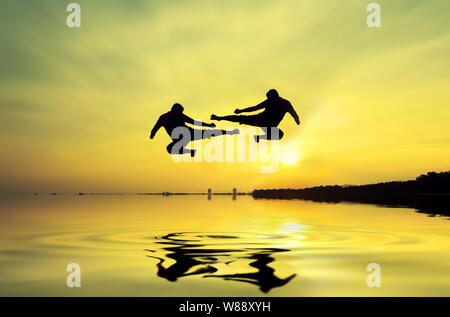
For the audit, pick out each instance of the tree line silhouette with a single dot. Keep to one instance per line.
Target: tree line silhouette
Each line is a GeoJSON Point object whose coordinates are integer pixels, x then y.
{"type": "Point", "coordinates": [429, 193]}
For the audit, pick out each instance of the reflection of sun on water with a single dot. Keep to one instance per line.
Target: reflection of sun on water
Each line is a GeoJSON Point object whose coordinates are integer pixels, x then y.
{"type": "Point", "coordinates": [290, 227]}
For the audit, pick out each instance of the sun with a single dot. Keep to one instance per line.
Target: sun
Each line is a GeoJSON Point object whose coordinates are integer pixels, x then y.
{"type": "Point", "coordinates": [289, 157]}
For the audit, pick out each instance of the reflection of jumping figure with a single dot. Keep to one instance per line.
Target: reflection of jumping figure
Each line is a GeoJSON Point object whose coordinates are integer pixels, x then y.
{"type": "Point", "coordinates": [265, 277]}
{"type": "Point", "coordinates": [174, 122]}
{"type": "Point", "coordinates": [268, 120]}
{"type": "Point", "coordinates": [180, 268]}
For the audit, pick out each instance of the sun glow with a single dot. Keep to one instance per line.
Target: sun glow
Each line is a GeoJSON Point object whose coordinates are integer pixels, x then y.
{"type": "Point", "coordinates": [289, 156]}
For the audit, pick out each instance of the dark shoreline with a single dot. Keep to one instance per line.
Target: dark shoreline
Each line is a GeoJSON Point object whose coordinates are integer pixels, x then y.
{"type": "Point", "coordinates": [428, 193]}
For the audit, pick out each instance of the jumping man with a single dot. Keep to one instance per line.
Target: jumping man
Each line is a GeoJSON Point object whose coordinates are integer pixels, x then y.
{"type": "Point", "coordinates": [268, 120]}
{"type": "Point", "coordinates": [175, 121]}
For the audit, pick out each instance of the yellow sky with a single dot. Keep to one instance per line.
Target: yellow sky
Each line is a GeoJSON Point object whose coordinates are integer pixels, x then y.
{"type": "Point", "coordinates": [77, 105]}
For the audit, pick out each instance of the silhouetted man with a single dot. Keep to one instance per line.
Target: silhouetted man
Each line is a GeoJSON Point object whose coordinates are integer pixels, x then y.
{"type": "Point", "coordinates": [175, 121]}
{"type": "Point", "coordinates": [268, 120]}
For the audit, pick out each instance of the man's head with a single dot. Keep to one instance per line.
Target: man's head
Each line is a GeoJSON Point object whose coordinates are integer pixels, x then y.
{"type": "Point", "coordinates": [272, 94]}
{"type": "Point", "coordinates": [177, 108]}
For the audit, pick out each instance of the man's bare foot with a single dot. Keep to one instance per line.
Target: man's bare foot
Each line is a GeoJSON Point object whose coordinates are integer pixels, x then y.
{"type": "Point", "coordinates": [214, 117]}
{"type": "Point", "coordinates": [232, 132]}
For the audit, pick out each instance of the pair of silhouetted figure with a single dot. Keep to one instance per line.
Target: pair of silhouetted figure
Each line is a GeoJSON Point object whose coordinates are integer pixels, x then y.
{"type": "Point", "coordinates": [196, 259]}
{"type": "Point", "coordinates": [268, 120]}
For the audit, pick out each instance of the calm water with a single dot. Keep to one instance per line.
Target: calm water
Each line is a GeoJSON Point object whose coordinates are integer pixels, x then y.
{"type": "Point", "coordinates": [189, 246]}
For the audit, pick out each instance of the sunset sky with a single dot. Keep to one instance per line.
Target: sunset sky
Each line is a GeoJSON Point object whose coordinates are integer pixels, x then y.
{"type": "Point", "coordinates": [77, 105]}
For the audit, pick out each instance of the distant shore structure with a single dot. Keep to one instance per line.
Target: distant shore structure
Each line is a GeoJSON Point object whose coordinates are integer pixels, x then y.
{"type": "Point", "coordinates": [209, 193]}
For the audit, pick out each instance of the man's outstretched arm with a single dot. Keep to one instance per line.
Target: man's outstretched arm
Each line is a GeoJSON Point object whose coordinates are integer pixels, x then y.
{"type": "Point", "coordinates": [260, 106]}
{"type": "Point", "coordinates": [155, 129]}
{"type": "Point", "coordinates": [198, 122]}
{"type": "Point", "coordinates": [294, 115]}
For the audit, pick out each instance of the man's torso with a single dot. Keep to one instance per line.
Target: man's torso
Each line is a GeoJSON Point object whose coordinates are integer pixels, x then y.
{"type": "Point", "coordinates": [275, 111]}
{"type": "Point", "coordinates": [171, 121]}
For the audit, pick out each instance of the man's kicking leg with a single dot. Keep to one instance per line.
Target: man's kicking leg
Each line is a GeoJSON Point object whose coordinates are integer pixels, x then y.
{"type": "Point", "coordinates": [256, 120]}
{"type": "Point", "coordinates": [178, 146]}
{"type": "Point", "coordinates": [270, 133]}
{"type": "Point", "coordinates": [208, 133]}
{"type": "Point", "coordinates": [232, 118]}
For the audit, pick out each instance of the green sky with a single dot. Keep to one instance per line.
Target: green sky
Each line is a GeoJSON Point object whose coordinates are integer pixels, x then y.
{"type": "Point", "coordinates": [77, 105]}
